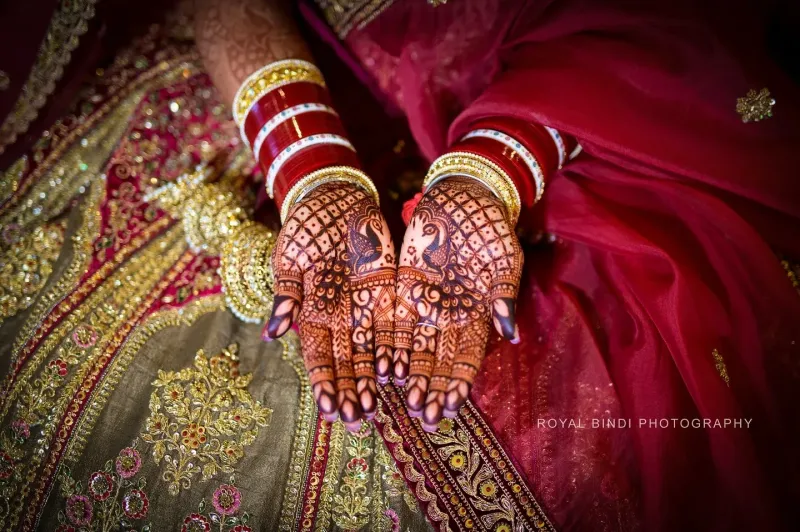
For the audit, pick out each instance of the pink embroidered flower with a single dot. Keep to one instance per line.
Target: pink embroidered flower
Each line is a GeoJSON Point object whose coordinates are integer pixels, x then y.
{"type": "Point", "coordinates": [79, 510]}
{"type": "Point", "coordinates": [6, 465]}
{"type": "Point", "coordinates": [394, 518]}
{"type": "Point", "coordinates": [227, 499]}
{"type": "Point", "coordinates": [84, 336]}
{"type": "Point", "coordinates": [21, 428]}
{"type": "Point", "coordinates": [100, 485]}
{"type": "Point", "coordinates": [241, 528]}
{"type": "Point", "coordinates": [128, 462]}
{"type": "Point", "coordinates": [58, 366]}
{"type": "Point", "coordinates": [135, 504]}
{"type": "Point", "coordinates": [195, 523]}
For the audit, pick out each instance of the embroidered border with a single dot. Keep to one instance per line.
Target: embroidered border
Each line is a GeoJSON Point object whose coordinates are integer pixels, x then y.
{"type": "Point", "coordinates": [344, 15]}
{"type": "Point", "coordinates": [62, 37]}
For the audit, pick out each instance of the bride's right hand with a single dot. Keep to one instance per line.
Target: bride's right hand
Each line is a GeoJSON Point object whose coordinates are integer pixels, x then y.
{"type": "Point", "coordinates": [334, 269]}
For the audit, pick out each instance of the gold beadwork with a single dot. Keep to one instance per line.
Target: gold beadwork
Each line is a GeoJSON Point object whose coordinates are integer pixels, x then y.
{"type": "Point", "coordinates": [481, 169]}
{"type": "Point", "coordinates": [26, 265]}
{"type": "Point", "coordinates": [755, 106]}
{"type": "Point", "coordinates": [246, 273]}
{"type": "Point", "coordinates": [332, 174]}
{"type": "Point", "coordinates": [210, 212]}
{"type": "Point", "coordinates": [722, 369]}
{"type": "Point", "coordinates": [271, 77]}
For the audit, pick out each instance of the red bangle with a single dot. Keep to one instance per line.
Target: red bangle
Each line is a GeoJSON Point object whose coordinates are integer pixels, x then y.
{"type": "Point", "coordinates": [316, 158]}
{"type": "Point", "coordinates": [505, 158]}
{"type": "Point", "coordinates": [279, 100]}
{"type": "Point", "coordinates": [301, 126]}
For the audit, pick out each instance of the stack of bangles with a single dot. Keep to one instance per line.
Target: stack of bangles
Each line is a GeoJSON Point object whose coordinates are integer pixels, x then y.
{"type": "Point", "coordinates": [511, 157]}
{"type": "Point", "coordinates": [284, 114]}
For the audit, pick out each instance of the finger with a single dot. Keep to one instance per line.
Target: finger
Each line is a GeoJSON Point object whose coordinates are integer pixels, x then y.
{"type": "Point", "coordinates": [421, 367]}
{"type": "Point", "coordinates": [288, 296]}
{"type": "Point", "coordinates": [505, 286]}
{"type": "Point", "coordinates": [363, 342]}
{"type": "Point", "coordinates": [346, 394]}
{"type": "Point", "coordinates": [442, 369]}
{"type": "Point", "coordinates": [504, 319]}
{"type": "Point", "coordinates": [384, 298]}
{"type": "Point", "coordinates": [405, 319]}
{"type": "Point", "coordinates": [467, 360]}
{"type": "Point", "coordinates": [315, 341]}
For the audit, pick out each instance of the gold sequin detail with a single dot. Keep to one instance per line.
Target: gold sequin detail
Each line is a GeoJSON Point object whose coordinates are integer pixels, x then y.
{"type": "Point", "coordinates": [755, 106]}
{"type": "Point", "coordinates": [202, 418]}
{"type": "Point", "coordinates": [69, 22]}
{"type": "Point", "coordinates": [722, 369]}
{"type": "Point", "coordinates": [479, 168]}
{"type": "Point", "coordinates": [344, 15]}
{"type": "Point", "coordinates": [26, 264]}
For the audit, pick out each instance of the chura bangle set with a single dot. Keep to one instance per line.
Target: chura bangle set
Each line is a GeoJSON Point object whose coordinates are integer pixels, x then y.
{"type": "Point", "coordinates": [511, 157]}
{"type": "Point", "coordinates": [285, 115]}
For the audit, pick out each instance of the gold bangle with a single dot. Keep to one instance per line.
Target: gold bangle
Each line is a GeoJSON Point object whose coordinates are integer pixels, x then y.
{"type": "Point", "coordinates": [271, 77]}
{"type": "Point", "coordinates": [246, 274]}
{"type": "Point", "coordinates": [331, 174]}
{"type": "Point", "coordinates": [482, 169]}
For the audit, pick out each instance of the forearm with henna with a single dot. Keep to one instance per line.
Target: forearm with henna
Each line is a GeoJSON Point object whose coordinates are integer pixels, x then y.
{"type": "Point", "coordinates": [237, 37]}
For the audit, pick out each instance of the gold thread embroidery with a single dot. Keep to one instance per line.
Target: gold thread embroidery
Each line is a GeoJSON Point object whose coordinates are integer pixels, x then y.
{"type": "Point", "coordinates": [755, 106]}
{"type": "Point", "coordinates": [331, 475]}
{"type": "Point", "coordinates": [69, 22]}
{"type": "Point", "coordinates": [202, 418]}
{"type": "Point", "coordinates": [120, 300]}
{"type": "Point", "coordinates": [9, 180]}
{"type": "Point", "coordinates": [26, 265]}
{"type": "Point", "coordinates": [344, 15]}
{"type": "Point", "coordinates": [351, 503]}
{"type": "Point", "coordinates": [172, 317]}
{"type": "Point", "coordinates": [302, 445]}
{"type": "Point", "coordinates": [792, 273]}
{"type": "Point", "coordinates": [722, 369]}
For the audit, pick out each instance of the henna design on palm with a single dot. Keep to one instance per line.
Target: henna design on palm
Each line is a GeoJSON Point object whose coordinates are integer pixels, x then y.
{"type": "Point", "coordinates": [460, 268]}
{"type": "Point", "coordinates": [334, 269]}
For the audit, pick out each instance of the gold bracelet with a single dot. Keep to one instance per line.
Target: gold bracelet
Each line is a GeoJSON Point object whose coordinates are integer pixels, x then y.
{"type": "Point", "coordinates": [482, 169]}
{"type": "Point", "coordinates": [246, 274]}
{"type": "Point", "coordinates": [271, 77]}
{"type": "Point", "coordinates": [331, 174]}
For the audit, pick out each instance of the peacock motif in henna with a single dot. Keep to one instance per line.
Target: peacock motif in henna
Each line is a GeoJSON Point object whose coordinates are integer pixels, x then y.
{"type": "Point", "coordinates": [334, 269]}
{"type": "Point", "coordinates": [460, 268]}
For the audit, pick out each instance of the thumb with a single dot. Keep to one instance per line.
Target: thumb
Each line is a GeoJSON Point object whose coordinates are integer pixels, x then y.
{"type": "Point", "coordinates": [286, 306]}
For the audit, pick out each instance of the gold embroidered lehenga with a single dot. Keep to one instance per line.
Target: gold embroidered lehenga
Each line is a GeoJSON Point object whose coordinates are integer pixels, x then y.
{"type": "Point", "coordinates": [134, 399]}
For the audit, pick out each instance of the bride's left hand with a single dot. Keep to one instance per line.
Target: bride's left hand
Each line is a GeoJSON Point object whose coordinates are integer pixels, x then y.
{"type": "Point", "coordinates": [460, 268]}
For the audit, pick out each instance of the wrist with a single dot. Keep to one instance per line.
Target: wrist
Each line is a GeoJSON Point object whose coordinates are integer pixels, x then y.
{"type": "Point", "coordinates": [285, 116]}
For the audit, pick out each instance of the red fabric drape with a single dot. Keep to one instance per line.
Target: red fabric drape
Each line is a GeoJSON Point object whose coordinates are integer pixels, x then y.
{"type": "Point", "coordinates": [664, 230]}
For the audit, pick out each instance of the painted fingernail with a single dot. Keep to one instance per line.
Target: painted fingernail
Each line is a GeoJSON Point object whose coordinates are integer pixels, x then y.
{"type": "Point", "coordinates": [414, 413]}
{"type": "Point", "coordinates": [515, 339]}
{"type": "Point", "coordinates": [427, 427]}
{"type": "Point", "coordinates": [330, 418]}
{"type": "Point", "coordinates": [399, 382]}
{"type": "Point", "coordinates": [353, 426]}
{"type": "Point", "coordinates": [450, 414]}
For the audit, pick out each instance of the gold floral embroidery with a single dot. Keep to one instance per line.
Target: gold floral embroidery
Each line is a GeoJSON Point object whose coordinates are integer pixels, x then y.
{"type": "Point", "coordinates": [793, 273]}
{"type": "Point", "coordinates": [202, 418]}
{"type": "Point", "coordinates": [393, 479]}
{"type": "Point", "coordinates": [473, 475]}
{"type": "Point", "coordinates": [351, 503]}
{"type": "Point", "coordinates": [722, 369]}
{"type": "Point", "coordinates": [26, 264]}
{"type": "Point", "coordinates": [69, 22]}
{"type": "Point", "coordinates": [755, 106]}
